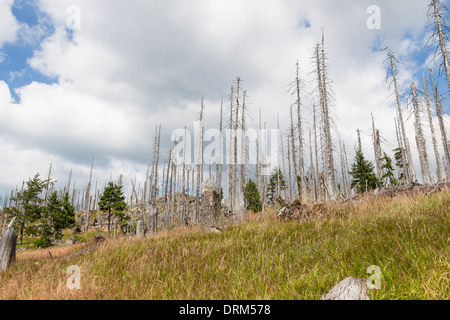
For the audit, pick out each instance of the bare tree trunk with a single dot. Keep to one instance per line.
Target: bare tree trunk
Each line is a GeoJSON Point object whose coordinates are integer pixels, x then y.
{"type": "Point", "coordinates": [378, 153]}
{"type": "Point", "coordinates": [289, 166]}
{"type": "Point", "coordinates": [301, 160]}
{"type": "Point", "coordinates": [199, 166]}
{"type": "Point", "coordinates": [220, 153]}
{"type": "Point", "coordinates": [437, 100]}
{"type": "Point", "coordinates": [420, 139]}
{"type": "Point", "coordinates": [410, 167]}
{"type": "Point", "coordinates": [433, 134]}
{"type": "Point", "coordinates": [236, 127]}
{"type": "Point", "coordinates": [230, 166]}
{"type": "Point", "coordinates": [8, 247]}
{"type": "Point", "coordinates": [294, 162]}
{"type": "Point", "coordinates": [316, 154]}
{"type": "Point", "coordinates": [312, 170]}
{"type": "Point", "coordinates": [243, 148]}
{"type": "Point", "coordinates": [88, 200]}
{"type": "Point", "coordinates": [442, 38]}
{"type": "Point", "coordinates": [329, 175]}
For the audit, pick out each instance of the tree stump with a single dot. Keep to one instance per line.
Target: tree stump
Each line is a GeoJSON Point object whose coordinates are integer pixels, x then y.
{"type": "Point", "coordinates": [8, 248]}
{"type": "Point", "coordinates": [210, 213]}
{"type": "Point", "coordinates": [141, 228]}
{"type": "Point", "coordinates": [349, 289]}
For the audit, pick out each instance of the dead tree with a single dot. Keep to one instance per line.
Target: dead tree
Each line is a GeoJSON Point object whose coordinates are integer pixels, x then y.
{"type": "Point", "coordinates": [294, 161]}
{"type": "Point", "coordinates": [230, 166]}
{"type": "Point", "coordinates": [436, 15]}
{"type": "Point", "coordinates": [378, 153]}
{"type": "Point", "coordinates": [411, 177]}
{"type": "Point", "coordinates": [329, 174]}
{"type": "Point", "coordinates": [420, 139]}
{"type": "Point", "coordinates": [8, 247]}
{"type": "Point", "coordinates": [199, 164]}
{"type": "Point", "coordinates": [296, 86]}
{"type": "Point", "coordinates": [88, 199]}
{"type": "Point", "coordinates": [433, 134]}
{"type": "Point", "coordinates": [437, 100]}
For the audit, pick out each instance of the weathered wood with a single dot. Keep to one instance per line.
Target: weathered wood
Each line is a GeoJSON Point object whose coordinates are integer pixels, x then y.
{"type": "Point", "coordinates": [210, 213]}
{"type": "Point", "coordinates": [349, 289]}
{"type": "Point", "coordinates": [8, 247]}
{"type": "Point", "coordinates": [141, 228]}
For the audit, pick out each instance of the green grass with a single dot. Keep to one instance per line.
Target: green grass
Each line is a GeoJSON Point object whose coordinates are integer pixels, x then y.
{"type": "Point", "coordinates": [407, 237]}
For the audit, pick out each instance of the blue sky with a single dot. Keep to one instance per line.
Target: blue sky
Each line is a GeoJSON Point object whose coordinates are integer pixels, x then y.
{"type": "Point", "coordinates": [14, 69]}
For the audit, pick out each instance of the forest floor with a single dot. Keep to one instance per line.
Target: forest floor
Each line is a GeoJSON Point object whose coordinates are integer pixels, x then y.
{"type": "Point", "coordinates": [407, 236]}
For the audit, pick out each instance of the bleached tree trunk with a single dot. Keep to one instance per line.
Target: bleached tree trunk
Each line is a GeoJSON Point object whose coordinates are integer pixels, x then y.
{"type": "Point", "coordinates": [411, 177]}
{"type": "Point", "coordinates": [312, 170]}
{"type": "Point", "coordinates": [442, 37]}
{"type": "Point", "coordinates": [359, 140]}
{"type": "Point", "coordinates": [284, 164]}
{"type": "Point", "coordinates": [446, 147]}
{"type": "Point", "coordinates": [8, 247]}
{"type": "Point", "coordinates": [243, 148]}
{"type": "Point", "coordinates": [402, 171]}
{"type": "Point", "coordinates": [420, 139]}
{"type": "Point", "coordinates": [301, 160]}
{"type": "Point", "coordinates": [294, 161]}
{"type": "Point", "coordinates": [155, 181]}
{"type": "Point", "coordinates": [235, 143]}
{"type": "Point", "coordinates": [220, 152]}
{"type": "Point", "coordinates": [199, 166]}
{"type": "Point", "coordinates": [230, 168]}
{"type": "Point", "coordinates": [433, 134]}
{"type": "Point", "coordinates": [329, 175]}
{"type": "Point", "coordinates": [378, 153]}
{"type": "Point", "coordinates": [289, 166]}
{"type": "Point", "coordinates": [88, 199]}
{"type": "Point", "coordinates": [316, 154]}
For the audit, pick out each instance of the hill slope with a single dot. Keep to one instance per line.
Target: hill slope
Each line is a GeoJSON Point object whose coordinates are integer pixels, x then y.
{"type": "Point", "coordinates": [406, 236]}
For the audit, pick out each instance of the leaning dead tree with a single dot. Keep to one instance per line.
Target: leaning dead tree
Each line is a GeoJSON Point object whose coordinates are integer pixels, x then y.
{"type": "Point", "coordinates": [420, 139]}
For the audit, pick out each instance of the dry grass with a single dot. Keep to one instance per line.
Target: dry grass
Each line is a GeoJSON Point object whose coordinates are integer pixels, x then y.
{"type": "Point", "coordinates": [262, 258]}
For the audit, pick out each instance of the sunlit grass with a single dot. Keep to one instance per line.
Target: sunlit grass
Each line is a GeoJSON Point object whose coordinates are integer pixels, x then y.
{"type": "Point", "coordinates": [407, 237]}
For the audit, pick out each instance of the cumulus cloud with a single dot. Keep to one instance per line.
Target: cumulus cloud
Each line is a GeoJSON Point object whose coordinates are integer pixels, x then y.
{"type": "Point", "coordinates": [133, 65]}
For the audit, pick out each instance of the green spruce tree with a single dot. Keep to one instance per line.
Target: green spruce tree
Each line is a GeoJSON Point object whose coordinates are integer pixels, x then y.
{"type": "Point", "coordinates": [276, 184]}
{"type": "Point", "coordinates": [112, 202]}
{"type": "Point", "coordinates": [363, 176]}
{"type": "Point", "coordinates": [252, 197]}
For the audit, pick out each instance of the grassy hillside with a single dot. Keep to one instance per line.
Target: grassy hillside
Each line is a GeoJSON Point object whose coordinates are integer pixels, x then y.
{"type": "Point", "coordinates": [407, 237]}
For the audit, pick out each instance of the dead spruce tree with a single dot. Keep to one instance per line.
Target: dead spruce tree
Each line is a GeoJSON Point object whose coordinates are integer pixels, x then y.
{"type": "Point", "coordinates": [325, 97]}
{"type": "Point", "coordinates": [199, 163]}
{"type": "Point", "coordinates": [411, 177]}
{"type": "Point", "coordinates": [437, 101]}
{"type": "Point", "coordinates": [437, 11]}
{"type": "Point", "coordinates": [295, 88]}
{"type": "Point", "coordinates": [294, 161]}
{"type": "Point", "coordinates": [230, 166]}
{"type": "Point", "coordinates": [88, 200]}
{"type": "Point", "coordinates": [420, 138]}
{"type": "Point", "coordinates": [378, 153]}
{"type": "Point", "coordinates": [433, 134]}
